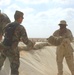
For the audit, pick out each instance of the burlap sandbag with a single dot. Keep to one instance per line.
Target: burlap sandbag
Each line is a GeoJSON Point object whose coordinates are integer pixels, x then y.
{"type": "Point", "coordinates": [55, 40]}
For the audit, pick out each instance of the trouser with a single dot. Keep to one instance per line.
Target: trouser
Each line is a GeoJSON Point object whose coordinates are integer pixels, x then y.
{"type": "Point", "coordinates": [64, 50]}
{"type": "Point", "coordinates": [13, 58]}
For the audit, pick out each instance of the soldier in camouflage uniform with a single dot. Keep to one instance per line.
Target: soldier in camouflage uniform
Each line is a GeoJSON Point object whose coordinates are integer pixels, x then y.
{"type": "Point", "coordinates": [64, 49]}
{"type": "Point", "coordinates": [4, 19]}
{"type": "Point", "coordinates": [11, 49]}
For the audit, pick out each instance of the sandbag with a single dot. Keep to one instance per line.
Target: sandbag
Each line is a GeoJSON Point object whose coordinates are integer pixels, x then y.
{"type": "Point", "coordinates": [55, 40]}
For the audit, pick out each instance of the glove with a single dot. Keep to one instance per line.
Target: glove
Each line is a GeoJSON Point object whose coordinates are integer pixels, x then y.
{"type": "Point", "coordinates": [30, 45]}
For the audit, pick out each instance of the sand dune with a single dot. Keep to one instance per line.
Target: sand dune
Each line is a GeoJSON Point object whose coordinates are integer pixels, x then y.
{"type": "Point", "coordinates": [37, 62]}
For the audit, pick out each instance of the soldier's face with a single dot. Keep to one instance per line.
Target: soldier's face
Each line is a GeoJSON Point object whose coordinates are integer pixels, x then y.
{"type": "Point", "coordinates": [20, 20]}
{"type": "Point", "coordinates": [62, 26]}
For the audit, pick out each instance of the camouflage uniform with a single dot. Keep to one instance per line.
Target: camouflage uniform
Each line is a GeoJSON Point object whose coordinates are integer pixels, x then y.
{"type": "Point", "coordinates": [4, 19]}
{"type": "Point", "coordinates": [64, 50]}
{"type": "Point", "coordinates": [12, 51]}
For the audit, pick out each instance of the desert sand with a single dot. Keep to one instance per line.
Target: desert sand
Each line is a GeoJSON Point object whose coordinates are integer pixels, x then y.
{"type": "Point", "coordinates": [37, 62]}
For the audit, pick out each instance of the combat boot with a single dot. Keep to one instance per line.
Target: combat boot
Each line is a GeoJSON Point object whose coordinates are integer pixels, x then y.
{"type": "Point", "coordinates": [60, 74]}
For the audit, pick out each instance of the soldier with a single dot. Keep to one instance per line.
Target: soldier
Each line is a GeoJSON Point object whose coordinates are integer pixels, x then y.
{"type": "Point", "coordinates": [62, 39]}
{"type": "Point", "coordinates": [64, 49]}
{"type": "Point", "coordinates": [13, 33]}
{"type": "Point", "coordinates": [4, 19]}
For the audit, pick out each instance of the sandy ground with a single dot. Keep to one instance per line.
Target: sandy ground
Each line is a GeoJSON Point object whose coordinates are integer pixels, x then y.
{"type": "Point", "coordinates": [37, 62]}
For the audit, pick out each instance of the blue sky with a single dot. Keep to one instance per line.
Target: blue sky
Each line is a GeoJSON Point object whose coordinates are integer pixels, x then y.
{"type": "Point", "coordinates": [41, 17]}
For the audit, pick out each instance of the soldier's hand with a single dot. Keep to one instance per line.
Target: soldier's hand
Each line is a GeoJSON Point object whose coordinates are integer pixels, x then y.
{"type": "Point", "coordinates": [33, 43]}
{"type": "Point", "coordinates": [31, 46]}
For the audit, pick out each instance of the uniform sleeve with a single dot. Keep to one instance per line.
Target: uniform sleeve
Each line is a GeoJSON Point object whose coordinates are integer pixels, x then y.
{"type": "Point", "coordinates": [70, 36]}
{"type": "Point", "coordinates": [56, 33]}
{"type": "Point", "coordinates": [4, 20]}
{"type": "Point", "coordinates": [25, 39]}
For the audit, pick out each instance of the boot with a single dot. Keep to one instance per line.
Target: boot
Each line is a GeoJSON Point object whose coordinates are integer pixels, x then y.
{"type": "Point", "coordinates": [60, 74]}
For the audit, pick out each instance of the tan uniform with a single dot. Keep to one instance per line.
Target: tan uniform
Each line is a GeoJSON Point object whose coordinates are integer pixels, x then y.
{"type": "Point", "coordinates": [64, 50]}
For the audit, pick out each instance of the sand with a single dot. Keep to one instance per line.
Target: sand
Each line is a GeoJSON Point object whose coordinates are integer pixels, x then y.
{"type": "Point", "coordinates": [37, 62]}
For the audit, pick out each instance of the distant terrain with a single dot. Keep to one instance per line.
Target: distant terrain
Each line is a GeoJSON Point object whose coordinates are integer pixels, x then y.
{"type": "Point", "coordinates": [38, 39]}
